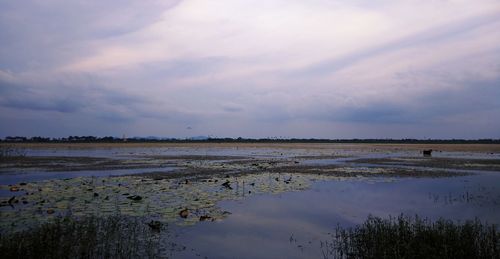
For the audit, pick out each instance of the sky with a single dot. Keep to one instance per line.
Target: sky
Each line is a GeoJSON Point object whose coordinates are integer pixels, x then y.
{"type": "Point", "coordinates": [231, 68]}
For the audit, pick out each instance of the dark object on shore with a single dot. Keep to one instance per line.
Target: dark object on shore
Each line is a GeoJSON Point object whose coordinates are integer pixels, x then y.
{"type": "Point", "coordinates": [134, 197]}
{"type": "Point", "coordinates": [427, 152]}
{"type": "Point", "coordinates": [205, 218]}
{"type": "Point", "coordinates": [184, 213]}
{"type": "Point", "coordinates": [11, 200]}
{"type": "Point", "coordinates": [155, 225]}
{"type": "Point", "coordinates": [227, 184]}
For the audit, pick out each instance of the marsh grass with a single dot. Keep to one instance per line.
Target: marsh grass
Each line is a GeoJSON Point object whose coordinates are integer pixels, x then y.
{"type": "Point", "coordinates": [406, 237]}
{"type": "Point", "coordinates": [112, 237]}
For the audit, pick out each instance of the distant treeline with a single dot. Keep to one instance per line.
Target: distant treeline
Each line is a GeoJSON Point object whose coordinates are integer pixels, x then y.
{"type": "Point", "coordinates": [109, 139]}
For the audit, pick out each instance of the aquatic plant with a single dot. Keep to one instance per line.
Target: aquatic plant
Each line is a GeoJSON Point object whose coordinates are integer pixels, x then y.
{"type": "Point", "coordinates": [414, 237]}
{"type": "Point", "coordinates": [90, 237]}
{"type": "Point", "coordinates": [43, 201]}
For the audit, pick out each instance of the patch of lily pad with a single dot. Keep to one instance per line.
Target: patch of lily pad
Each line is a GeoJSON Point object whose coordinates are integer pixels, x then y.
{"type": "Point", "coordinates": [164, 200]}
{"type": "Point", "coordinates": [185, 196]}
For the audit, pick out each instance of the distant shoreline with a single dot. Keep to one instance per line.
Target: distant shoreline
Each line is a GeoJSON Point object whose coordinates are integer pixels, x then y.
{"type": "Point", "coordinates": [492, 148]}
{"type": "Point", "coordinates": [97, 140]}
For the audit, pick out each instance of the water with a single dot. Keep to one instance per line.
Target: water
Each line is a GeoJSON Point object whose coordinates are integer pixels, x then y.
{"type": "Point", "coordinates": [126, 152]}
{"type": "Point", "coordinates": [35, 176]}
{"type": "Point", "coordinates": [293, 224]}
{"type": "Point", "coordinates": [360, 151]}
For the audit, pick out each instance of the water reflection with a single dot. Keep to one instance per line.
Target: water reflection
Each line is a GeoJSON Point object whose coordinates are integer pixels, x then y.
{"type": "Point", "coordinates": [292, 225]}
{"type": "Point", "coordinates": [284, 224]}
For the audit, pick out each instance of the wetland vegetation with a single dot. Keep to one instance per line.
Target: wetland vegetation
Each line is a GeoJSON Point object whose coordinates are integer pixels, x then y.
{"type": "Point", "coordinates": [89, 237]}
{"type": "Point", "coordinates": [414, 237]}
{"type": "Point", "coordinates": [132, 237]}
{"type": "Point", "coordinates": [171, 200]}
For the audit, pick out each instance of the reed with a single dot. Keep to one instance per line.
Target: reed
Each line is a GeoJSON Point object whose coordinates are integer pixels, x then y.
{"type": "Point", "coordinates": [414, 237]}
{"type": "Point", "coordinates": [93, 237]}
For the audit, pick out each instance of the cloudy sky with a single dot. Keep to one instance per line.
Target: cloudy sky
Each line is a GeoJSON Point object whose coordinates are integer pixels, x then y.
{"type": "Point", "coordinates": [290, 68]}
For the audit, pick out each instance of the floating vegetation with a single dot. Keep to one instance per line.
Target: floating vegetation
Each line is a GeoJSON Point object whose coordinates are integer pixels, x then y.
{"type": "Point", "coordinates": [134, 215]}
{"type": "Point", "coordinates": [162, 196]}
{"type": "Point", "coordinates": [405, 237]}
{"type": "Point", "coordinates": [163, 200]}
{"type": "Point", "coordinates": [91, 237]}
{"type": "Point", "coordinates": [371, 171]}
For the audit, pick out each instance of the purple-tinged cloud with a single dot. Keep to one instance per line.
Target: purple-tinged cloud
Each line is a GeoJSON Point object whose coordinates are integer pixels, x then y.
{"type": "Point", "coordinates": [329, 69]}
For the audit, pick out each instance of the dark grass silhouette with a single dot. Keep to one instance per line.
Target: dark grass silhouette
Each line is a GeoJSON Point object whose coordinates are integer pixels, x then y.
{"type": "Point", "coordinates": [406, 237]}
{"type": "Point", "coordinates": [124, 237]}
{"type": "Point", "coordinates": [112, 237]}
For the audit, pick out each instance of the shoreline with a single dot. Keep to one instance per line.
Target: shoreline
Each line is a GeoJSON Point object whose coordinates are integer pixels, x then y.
{"type": "Point", "coordinates": [487, 148]}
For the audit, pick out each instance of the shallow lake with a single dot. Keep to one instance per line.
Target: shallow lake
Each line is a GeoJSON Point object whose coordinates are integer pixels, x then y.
{"type": "Point", "coordinates": [294, 224]}
{"type": "Point", "coordinates": [266, 210]}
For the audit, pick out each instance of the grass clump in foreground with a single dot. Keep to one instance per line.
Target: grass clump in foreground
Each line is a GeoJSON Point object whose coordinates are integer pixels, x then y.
{"type": "Point", "coordinates": [406, 237]}
{"type": "Point", "coordinates": [112, 237]}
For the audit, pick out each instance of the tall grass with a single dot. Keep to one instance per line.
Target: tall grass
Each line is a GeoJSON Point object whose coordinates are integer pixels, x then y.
{"type": "Point", "coordinates": [405, 237]}
{"type": "Point", "coordinates": [112, 237]}
{"type": "Point", "coordinates": [125, 237]}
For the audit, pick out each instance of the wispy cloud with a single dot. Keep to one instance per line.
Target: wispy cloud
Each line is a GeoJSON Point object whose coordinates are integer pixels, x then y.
{"type": "Point", "coordinates": [290, 68]}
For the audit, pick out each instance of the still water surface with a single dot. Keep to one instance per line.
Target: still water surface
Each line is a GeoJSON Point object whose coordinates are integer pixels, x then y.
{"type": "Point", "coordinates": [293, 224]}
